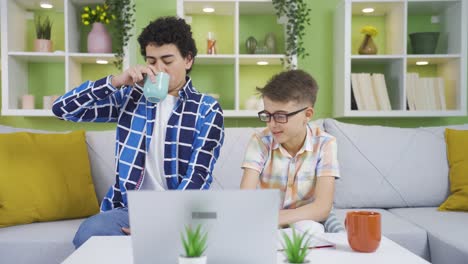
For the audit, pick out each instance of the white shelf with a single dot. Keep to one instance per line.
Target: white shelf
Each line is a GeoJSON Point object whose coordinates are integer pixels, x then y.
{"type": "Point", "coordinates": [215, 59]}
{"type": "Point", "coordinates": [17, 60]}
{"type": "Point", "coordinates": [38, 56]}
{"type": "Point", "coordinates": [449, 62]}
{"type": "Point", "coordinates": [27, 112]}
{"type": "Point", "coordinates": [90, 58]}
{"type": "Point", "coordinates": [242, 13]}
{"type": "Point", "coordinates": [272, 59]}
{"type": "Point", "coordinates": [432, 59]}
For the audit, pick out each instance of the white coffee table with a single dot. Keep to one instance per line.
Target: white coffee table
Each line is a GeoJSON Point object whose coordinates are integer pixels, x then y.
{"type": "Point", "coordinates": [118, 249]}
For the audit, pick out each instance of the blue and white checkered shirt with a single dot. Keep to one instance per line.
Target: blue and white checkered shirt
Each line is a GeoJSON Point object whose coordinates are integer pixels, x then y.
{"type": "Point", "coordinates": [194, 134]}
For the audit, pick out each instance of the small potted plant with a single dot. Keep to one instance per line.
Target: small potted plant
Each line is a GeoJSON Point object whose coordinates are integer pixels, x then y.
{"type": "Point", "coordinates": [42, 43]}
{"type": "Point", "coordinates": [296, 247]}
{"type": "Point", "coordinates": [194, 243]}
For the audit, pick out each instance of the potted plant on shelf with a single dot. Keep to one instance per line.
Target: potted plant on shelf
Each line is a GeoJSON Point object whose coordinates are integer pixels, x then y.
{"type": "Point", "coordinates": [296, 13]}
{"type": "Point", "coordinates": [194, 243]}
{"type": "Point", "coordinates": [99, 39]}
{"type": "Point", "coordinates": [296, 247]}
{"type": "Point", "coordinates": [42, 43]}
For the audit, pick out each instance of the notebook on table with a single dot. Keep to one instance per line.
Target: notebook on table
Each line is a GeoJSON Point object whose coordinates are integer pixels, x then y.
{"type": "Point", "coordinates": [314, 230]}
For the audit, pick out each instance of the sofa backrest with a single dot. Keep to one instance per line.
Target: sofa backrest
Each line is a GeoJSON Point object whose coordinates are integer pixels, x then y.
{"type": "Point", "coordinates": [387, 167]}
{"type": "Point", "coordinates": [101, 151]}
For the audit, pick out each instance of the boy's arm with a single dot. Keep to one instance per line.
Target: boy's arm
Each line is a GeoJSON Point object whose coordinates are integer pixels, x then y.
{"type": "Point", "coordinates": [250, 179]}
{"type": "Point", "coordinates": [318, 210]}
{"type": "Point", "coordinates": [206, 148]}
{"type": "Point", "coordinates": [97, 101]}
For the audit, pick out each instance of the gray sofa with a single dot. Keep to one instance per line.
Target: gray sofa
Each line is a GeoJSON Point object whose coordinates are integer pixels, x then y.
{"type": "Point", "coordinates": [401, 173]}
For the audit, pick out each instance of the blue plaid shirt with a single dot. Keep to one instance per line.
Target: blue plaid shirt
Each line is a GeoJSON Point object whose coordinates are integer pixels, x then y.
{"type": "Point", "coordinates": [194, 135]}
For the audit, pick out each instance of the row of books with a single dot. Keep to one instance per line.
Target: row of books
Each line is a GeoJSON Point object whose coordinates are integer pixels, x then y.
{"type": "Point", "coordinates": [369, 92]}
{"type": "Point", "coordinates": [425, 93]}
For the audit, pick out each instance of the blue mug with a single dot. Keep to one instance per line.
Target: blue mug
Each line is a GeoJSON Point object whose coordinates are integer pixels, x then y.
{"type": "Point", "coordinates": [157, 91]}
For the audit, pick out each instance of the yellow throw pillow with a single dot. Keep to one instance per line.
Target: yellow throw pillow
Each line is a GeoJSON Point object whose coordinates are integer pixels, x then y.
{"type": "Point", "coordinates": [44, 177]}
{"type": "Point", "coordinates": [457, 145]}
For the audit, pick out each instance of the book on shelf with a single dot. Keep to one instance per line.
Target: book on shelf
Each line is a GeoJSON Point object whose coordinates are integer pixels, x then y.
{"type": "Point", "coordinates": [353, 100]}
{"type": "Point", "coordinates": [357, 91]}
{"type": "Point", "coordinates": [440, 93]}
{"type": "Point", "coordinates": [411, 83]}
{"type": "Point", "coordinates": [425, 93]}
{"type": "Point", "coordinates": [370, 91]}
{"type": "Point", "coordinates": [380, 90]}
{"type": "Point", "coordinates": [365, 83]}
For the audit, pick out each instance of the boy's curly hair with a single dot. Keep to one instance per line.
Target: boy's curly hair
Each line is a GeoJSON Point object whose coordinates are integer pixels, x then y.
{"type": "Point", "coordinates": [169, 30]}
{"type": "Point", "coordinates": [293, 85]}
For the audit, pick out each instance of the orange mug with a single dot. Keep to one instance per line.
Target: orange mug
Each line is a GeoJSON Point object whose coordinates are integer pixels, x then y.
{"type": "Point", "coordinates": [364, 230]}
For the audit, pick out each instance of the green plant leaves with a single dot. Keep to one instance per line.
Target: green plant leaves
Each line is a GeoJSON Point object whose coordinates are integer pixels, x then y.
{"type": "Point", "coordinates": [297, 14]}
{"type": "Point", "coordinates": [194, 241]}
{"type": "Point", "coordinates": [43, 28]}
{"type": "Point", "coordinates": [124, 21]}
{"type": "Point", "coordinates": [296, 246]}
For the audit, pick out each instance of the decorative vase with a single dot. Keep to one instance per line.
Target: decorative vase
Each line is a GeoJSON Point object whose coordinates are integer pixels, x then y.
{"type": "Point", "coordinates": [270, 42]}
{"type": "Point", "coordinates": [199, 260]}
{"type": "Point", "coordinates": [368, 46]}
{"type": "Point", "coordinates": [99, 39]}
{"type": "Point", "coordinates": [424, 42]}
{"type": "Point", "coordinates": [251, 45]}
{"type": "Point", "coordinates": [43, 45]}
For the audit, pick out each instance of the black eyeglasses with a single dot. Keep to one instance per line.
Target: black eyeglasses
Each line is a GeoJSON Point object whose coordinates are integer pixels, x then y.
{"type": "Point", "coordinates": [279, 117]}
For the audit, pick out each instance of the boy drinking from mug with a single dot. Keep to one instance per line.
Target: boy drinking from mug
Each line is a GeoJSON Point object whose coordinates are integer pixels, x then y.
{"type": "Point", "coordinates": [293, 154]}
{"type": "Point", "coordinates": [170, 144]}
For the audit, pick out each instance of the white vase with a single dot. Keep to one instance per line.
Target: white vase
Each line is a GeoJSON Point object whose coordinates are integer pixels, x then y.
{"type": "Point", "coordinates": [199, 260]}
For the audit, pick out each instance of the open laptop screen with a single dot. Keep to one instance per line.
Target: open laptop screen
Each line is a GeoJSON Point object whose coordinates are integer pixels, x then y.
{"type": "Point", "coordinates": [241, 224]}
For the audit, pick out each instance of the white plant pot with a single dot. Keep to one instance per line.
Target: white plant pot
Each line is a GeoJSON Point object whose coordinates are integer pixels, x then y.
{"type": "Point", "coordinates": [199, 260]}
{"type": "Point", "coordinates": [305, 262]}
{"type": "Point", "coordinates": [43, 45]}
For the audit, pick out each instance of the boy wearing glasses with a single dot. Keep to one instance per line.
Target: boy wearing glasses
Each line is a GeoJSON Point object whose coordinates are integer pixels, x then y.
{"type": "Point", "coordinates": [293, 154]}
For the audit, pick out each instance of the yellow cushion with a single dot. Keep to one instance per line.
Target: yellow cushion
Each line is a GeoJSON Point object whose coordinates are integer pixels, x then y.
{"type": "Point", "coordinates": [457, 146]}
{"type": "Point", "coordinates": [44, 177]}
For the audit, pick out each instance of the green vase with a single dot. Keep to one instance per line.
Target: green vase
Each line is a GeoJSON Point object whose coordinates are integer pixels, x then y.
{"type": "Point", "coordinates": [424, 42]}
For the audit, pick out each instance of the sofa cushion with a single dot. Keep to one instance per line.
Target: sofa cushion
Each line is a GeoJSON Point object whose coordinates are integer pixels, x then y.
{"type": "Point", "coordinates": [457, 144]}
{"type": "Point", "coordinates": [46, 177]}
{"type": "Point", "coordinates": [447, 232]}
{"type": "Point", "coordinates": [401, 231]}
{"type": "Point", "coordinates": [386, 167]}
{"type": "Point", "coordinates": [39, 243]}
{"type": "Point", "coordinates": [101, 151]}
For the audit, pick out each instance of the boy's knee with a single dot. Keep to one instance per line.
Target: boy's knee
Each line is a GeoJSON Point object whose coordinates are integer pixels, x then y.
{"type": "Point", "coordinates": [90, 227]}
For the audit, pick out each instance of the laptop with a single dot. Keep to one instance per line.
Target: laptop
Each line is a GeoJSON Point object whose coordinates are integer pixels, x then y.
{"type": "Point", "coordinates": [241, 224]}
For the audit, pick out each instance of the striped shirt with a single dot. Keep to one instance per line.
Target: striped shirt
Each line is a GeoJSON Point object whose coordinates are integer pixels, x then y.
{"type": "Point", "coordinates": [294, 176]}
{"type": "Point", "coordinates": [194, 134]}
